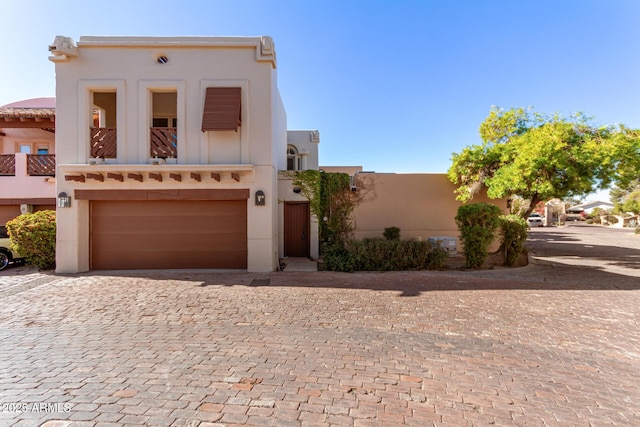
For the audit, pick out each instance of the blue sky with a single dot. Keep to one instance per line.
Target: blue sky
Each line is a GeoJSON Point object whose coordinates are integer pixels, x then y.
{"type": "Point", "coordinates": [394, 86]}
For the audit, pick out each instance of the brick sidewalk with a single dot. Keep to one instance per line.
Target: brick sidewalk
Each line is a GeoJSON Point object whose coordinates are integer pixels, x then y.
{"type": "Point", "coordinates": [306, 349]}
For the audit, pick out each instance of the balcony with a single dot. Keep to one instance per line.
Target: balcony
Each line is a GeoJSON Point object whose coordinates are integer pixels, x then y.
{"type": "Point", "coordinates": [164, 142]}
{"type": "Point", "coordinates": [7, 164]}
{"type": "Point", "coordinates": [104, 143]}
{"type": "Point", "coordinates": [27, 175]}
{"type": "Point", "coordinates": [36, 164]}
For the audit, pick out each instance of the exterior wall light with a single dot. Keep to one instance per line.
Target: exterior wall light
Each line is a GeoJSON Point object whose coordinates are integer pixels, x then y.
{"type": "Point", "coordinates": [297, 190]}
{"type": "Point", "coordinates": [64, 201]}
{"type": "Point", "coordinates": [260, 198]}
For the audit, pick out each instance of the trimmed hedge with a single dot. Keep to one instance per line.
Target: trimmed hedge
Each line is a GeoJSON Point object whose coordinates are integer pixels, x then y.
{"type": "Point", "coordinates": [391, 233]}
{"type": "Point", "coordinates": [383, 255]}
{"type": "Point", "coordinates": [33, 236]}
{"type": "Point", "coordinates": [477, 223]}
{"type": "Point", "coordinates": [514, 231]}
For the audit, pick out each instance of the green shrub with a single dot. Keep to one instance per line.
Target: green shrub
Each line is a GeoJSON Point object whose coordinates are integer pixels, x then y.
{"type": "Point", "coordinates": [383, 255]}
{"type": "Point", "coordinates": [637, 231]}
{"type": "Point", "coordinates": [391, 233]}
{"type": "Point", "coordinates": [611, 219]}
{"type": "Point", "coordinates": [477, 223]}
{"type": "Point", "coordinates": [33, 236]}
{"type": "Point", "coordinates": [514, 232]}
{"type": "Point", "coordinates": [437, 258]}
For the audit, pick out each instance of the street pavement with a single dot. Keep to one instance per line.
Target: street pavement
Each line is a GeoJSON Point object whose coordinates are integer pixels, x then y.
{"type": "Point", "coordinates": [555, 343]}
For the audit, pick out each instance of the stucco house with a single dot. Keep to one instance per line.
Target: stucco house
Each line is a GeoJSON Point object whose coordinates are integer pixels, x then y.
{"type": "Point", "coordinates": [27, 157]}
{"type": "Point", "coordinates": [169, 151]}
{"type": "Point", "coordinates": [588, 207]}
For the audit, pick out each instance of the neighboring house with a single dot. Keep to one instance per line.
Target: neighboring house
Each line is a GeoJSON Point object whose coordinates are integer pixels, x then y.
{"type": "Point", "coordinates": [168, 152]}
{"type": "Point", "coordinates": [588, 207]}
{"type": "Point", "coordinates": [27, 157]}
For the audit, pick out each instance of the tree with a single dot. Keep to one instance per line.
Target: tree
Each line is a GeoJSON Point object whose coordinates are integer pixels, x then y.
{"type": "Point", "coordinates": [632, 203]}
{"type": "Point", "coordinates": [538, 157]}
{"type": "Point", "coordinates": [626, 152]}
{"type": "Point", "coordinates": [621, 194]}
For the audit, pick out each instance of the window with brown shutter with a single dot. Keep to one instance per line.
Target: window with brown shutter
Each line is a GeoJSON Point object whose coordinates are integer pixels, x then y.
{"type": "Point", "coordinates": [221, 109]}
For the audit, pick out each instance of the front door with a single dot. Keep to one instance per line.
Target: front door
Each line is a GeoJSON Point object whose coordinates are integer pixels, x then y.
{"type": "Point", "coordinates": [296, 229]}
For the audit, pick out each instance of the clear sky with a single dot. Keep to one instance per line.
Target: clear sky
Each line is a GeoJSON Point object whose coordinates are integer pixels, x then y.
{"type": "Point", "coordinates": [394, 86]}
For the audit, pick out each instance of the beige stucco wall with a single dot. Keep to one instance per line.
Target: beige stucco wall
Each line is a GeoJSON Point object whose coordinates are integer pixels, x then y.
{"type": "Point", "coordinates": [421, 205]}
{"type": "Point", "coordinates": [128, 66]}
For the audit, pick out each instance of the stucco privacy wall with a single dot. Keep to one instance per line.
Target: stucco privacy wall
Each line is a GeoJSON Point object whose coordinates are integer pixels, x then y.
{"type": "Point", "coordinates": [421, 205]}
{"type": "Point", "coordinates": [129, 66]}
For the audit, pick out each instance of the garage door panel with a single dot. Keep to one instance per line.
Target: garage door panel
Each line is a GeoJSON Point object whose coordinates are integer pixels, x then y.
{"type": "Point", "coordinates": [130, 260]}
{"type": "Point", "coordinates": [164, 208]}
{"type": "Point", "coordinates": [161, 243]}
{"type": "Point", "coordinates": [168, 227]}
{"type": "Point", "coordinates": [168, 234]}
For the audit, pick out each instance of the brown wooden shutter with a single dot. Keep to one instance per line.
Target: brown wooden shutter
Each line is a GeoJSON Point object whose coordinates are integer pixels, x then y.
{"type": "Point", "coordinates": [221, 109]}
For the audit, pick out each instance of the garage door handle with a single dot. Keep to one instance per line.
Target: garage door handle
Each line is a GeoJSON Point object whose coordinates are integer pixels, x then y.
{"type": "Point", "coordinates": [304, 237]}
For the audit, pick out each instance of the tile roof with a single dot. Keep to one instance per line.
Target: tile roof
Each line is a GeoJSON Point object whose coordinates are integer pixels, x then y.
{"type": "Point", "coordinates": [27, 113]}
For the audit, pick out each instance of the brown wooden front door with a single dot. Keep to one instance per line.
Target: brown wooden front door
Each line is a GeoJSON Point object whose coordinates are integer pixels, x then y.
{"type": "Point", "coordinates": [296, 229]}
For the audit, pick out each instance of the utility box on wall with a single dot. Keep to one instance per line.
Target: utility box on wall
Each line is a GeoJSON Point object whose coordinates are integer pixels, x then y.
{"type": "Point", "coordinates": [447, 243]}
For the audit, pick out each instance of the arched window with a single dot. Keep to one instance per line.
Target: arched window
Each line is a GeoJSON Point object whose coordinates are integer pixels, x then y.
{"type": "Point", "coordinates": [294, 162]}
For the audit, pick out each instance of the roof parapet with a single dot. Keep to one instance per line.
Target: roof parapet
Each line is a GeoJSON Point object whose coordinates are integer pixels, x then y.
{"type": "Point", "coordinates": [264, 45]}
{"type": "Point", "coordinates": [62, 49]}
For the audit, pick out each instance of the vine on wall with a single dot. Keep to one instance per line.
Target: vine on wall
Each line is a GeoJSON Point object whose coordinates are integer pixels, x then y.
{"type": "Point", "coordinates": [331, 199]}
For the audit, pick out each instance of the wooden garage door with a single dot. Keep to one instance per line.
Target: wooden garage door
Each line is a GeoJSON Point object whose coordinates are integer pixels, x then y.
{"type": "Point", "coordinates": [161, 234]}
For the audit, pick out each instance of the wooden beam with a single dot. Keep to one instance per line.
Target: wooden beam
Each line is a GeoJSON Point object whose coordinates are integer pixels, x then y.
{"type": "Point", "coordinates": [196, 176]}
{"type": "Point", "coordinates": [135, 176]}
{"type": "Point", "coordinates": [186, 194]}
{"type": "Point", "coordinates": [10, 122]}
{"type": "Point", "coordinates": [96, 176]}
{"type": "Point", "coordinates": [156, 176]}
{"type": "Point", "coordinates": [32, 201]}
{"type": "Point", "coordinates": [215, 176]}
{"type": "Point", "coordinates": [235, 176]}
{"type": "Point", "coordinates": [77, 178]}
{"type": "Point", "coordinates": [116, 176]}
{"type": "Point", "coordinates": [176, 176]}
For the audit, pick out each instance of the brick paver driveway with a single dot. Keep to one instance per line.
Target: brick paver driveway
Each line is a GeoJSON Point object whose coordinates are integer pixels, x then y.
{"type": "Point", "coordinates": [502, 347]}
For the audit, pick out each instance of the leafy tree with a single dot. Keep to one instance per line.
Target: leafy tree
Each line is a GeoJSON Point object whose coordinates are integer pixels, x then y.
{"type": "Point", "coordinates": [538, 157]}
{"type": "Point", "coordinates": [623, 196]}
{"type": "Point", "coordinates": [626, 152]}
{"type": "Point", "coordinates": [632, 202]}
